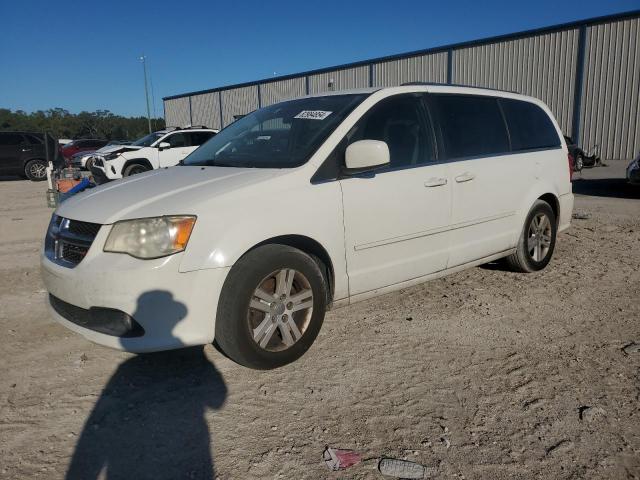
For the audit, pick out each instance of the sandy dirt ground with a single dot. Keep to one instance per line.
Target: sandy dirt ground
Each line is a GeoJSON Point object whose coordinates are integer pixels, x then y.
{"type": "Point", "coordinates": [485, 374]}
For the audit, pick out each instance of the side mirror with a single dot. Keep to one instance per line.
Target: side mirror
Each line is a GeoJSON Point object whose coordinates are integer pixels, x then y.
{"type": "Point", "coordinates": [164, 145]}
{"type": "Point", "coordinates": [365, 155]}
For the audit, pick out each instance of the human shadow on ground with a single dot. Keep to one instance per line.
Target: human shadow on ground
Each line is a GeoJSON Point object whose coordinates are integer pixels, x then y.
{"type": "Point", "coordinates": [150, 419]}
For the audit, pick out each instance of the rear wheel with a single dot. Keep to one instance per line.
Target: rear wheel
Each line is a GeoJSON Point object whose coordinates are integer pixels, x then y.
{"type": "Point", "coordinates": [134, 169]}
{"type": "Point", "coordinates": [537, 240]}
{"type": "Point", "coordinates": [271, 307]}
{"type": "Point", "coordinates": [579, 163]}
{"type": "Point", "coordinates": [36, 170]}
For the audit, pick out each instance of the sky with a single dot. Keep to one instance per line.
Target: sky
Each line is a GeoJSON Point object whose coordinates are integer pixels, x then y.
{"type": "Point", "coordinates": [84, 55]}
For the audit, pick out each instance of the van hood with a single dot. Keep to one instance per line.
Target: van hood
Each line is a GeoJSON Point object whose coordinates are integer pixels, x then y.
{"type": "Point", "coordinates": [172, 191]}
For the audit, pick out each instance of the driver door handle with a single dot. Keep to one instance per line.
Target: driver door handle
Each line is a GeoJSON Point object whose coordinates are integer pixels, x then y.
{"type": "Point", "coordinates": [435, 182]}
{"type": "Point", "coordinates": [465, 177]}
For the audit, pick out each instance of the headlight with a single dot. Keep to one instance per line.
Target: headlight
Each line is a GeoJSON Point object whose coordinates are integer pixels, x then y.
{"type": "Point", "coordinates": [110, 156]}
{"type": "Point", "coordinates": [150, 237]}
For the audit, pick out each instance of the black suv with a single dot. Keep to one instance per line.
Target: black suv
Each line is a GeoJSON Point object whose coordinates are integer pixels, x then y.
{"type": "Point", "coordinates": [23, 153]}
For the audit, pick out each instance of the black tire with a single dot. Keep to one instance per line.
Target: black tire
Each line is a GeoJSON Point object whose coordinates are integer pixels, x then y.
{"type": "Point", "coordinates": [233, 332]}
{"type": "Point", "coordinates": [88, 164]}
{"type": "Point", "coordinates": [523, 260]}
{"type": "Point", "coordinates": [36, 170]}
{"type": "Point", "coordinates": [579, 163]}
{"type": "Point", "coordinates": [134, 169]}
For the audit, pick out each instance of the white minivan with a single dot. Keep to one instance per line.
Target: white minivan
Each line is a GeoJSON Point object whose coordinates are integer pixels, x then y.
{"type": "Point", "coordinates": [305, 205]}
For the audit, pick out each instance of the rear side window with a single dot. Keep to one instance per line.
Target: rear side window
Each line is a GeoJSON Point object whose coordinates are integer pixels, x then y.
{"type": "Point", "coordinates": [10, 139]}
{"type": "Point", "coordinates": [33, 139]}
{"type": "Point", "coordinates": [471, 125]}
{"type": "Point", "coordinates": [198, 138]}
{"type": "Point", "coordinates": [529, 126]}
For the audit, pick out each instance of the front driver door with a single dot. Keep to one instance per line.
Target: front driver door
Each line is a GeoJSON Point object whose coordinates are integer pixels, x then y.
{"type": "Point", "coordinates": [178, 150]}
{"type": "Point", "coordinates": [396, 218]}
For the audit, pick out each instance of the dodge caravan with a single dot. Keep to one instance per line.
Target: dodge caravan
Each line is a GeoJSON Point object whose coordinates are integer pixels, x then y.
{"type": "Point", "coordinates": [305, 205]}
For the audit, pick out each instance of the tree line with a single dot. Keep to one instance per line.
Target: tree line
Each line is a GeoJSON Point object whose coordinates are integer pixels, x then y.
{"type": "Point", "coordinates": [63, 124]}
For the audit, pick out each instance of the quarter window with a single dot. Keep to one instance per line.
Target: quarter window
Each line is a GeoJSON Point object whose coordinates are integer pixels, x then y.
{"type": "Point", "coordinates": [401, 123]}
{"type": "Point", "coordinates": [529, 126]}
{"type": "Point", "coordinates": [471, 125]}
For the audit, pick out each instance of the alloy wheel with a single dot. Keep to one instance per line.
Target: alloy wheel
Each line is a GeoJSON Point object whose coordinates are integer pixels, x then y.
{"type": "Point", "coordinates": [38, 170]}
{"type": "Point", "coordinates": [280, 310]}
{"type": "Point", "coordinates": [539, 237]}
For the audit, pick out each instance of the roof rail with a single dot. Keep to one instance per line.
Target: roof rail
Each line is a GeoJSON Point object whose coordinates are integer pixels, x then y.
{"type": "Point", "coordinates": [440, 84]}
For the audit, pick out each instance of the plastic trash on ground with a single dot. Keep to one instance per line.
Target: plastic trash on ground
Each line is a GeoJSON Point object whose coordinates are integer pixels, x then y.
{"type": "Point", "coordinates": [338, 459]}
{"type": "Point", "coordinates": [392, 467]}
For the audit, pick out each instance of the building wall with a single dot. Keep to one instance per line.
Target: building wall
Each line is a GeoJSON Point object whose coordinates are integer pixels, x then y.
{"type": "Point", "coordinates": [542, 66]}
{"type": "Point", "coordinates": [176, 112]}
{"type": "Point", "coordinates": [587, 72]}
{"type": "Point", "coordinates": [274, 92]}
{"type": "Point", "coordinates": [205, 110]}
{"type": "Point", "coordinates": [421, 68]}
{"type": "Point", "coordinates": [238, 101]}
{"type": "Point", "coordinates": [610, 104]}
{"type": "Point", "coordinates": [348, 78]}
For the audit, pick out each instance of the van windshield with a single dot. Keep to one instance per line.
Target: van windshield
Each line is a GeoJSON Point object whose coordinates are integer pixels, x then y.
{"type": "Point", "coordinates": [283, 135]}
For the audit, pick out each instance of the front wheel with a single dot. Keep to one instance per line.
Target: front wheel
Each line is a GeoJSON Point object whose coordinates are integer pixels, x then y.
{"type": "Point", "coordinates": [134, 169]}
{"type": "Point", "coordinates": [537, 240]}
{"type": "Point", "coordinates": [579, 163]}
{"type": "Point", "coordinates": [271, 307]}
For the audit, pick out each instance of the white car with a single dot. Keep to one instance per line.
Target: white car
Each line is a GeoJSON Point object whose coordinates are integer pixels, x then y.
{"type": "Point", "coordinates": [305, 205]}
{"type": "Point", "coordinates": [164, 148]}
{"type": "Point", "coordinates": [85, 159]}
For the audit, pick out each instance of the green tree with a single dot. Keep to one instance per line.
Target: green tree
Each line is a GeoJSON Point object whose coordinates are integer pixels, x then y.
{"type": "Point", "coordinates": [63, 124]}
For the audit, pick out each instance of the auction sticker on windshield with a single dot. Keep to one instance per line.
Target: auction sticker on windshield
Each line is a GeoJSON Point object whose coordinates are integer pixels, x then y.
{"type": "Point", "coordinates": [313, 114]}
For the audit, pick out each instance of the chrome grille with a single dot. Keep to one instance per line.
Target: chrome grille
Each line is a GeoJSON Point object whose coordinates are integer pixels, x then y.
{"type": "Point", "coordinates": [68, 241]}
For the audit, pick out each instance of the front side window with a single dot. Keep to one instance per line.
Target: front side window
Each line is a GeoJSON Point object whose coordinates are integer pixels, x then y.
{"type": "Point", "coordinates": [33, 139]}
{"type": "Point", "coordinates": [529, 126]}
{"type": "Point", "coordinates": [283, 135]}
{"type": "Point", "coordinates": [471, 125]}
{"type": "Point", "coordinates": [402, 124]}
{"type": "Point", "coordinates": [176, 140]}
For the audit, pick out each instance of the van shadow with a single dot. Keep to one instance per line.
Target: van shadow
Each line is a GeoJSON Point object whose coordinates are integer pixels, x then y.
{"type": "Point", "coordinates": [150, 419]}
{"type": "Point", "coordinates": [606, 187]}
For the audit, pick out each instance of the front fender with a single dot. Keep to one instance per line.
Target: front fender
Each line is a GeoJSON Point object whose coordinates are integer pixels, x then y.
{"type": "Point", "coordinates": [227, 228]}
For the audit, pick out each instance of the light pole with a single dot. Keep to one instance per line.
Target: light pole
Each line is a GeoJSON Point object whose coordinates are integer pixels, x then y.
{"type": "Point", "coordinates": [143, 59]}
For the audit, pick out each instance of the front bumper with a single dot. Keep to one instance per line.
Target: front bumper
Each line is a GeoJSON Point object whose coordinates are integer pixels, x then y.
{"type": "Point", "coordinates": [173, 309]}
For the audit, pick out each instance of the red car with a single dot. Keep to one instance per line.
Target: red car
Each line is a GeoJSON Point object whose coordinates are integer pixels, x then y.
{"type": "Point", "coordinates": [82, 145]}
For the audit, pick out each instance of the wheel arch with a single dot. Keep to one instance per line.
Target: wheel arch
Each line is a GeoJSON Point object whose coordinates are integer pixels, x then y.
{"type": "Point", "coordinates": [554, 202]}
{"type": "Point", "coordinates": [29, 159]}
{"type": "Point", "coordinates": [309, 246]}
{"type": "Point", "coordinates": [136, 161]}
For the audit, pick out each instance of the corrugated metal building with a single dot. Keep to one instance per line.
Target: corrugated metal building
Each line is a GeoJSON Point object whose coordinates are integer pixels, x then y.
{"type": "Point", "coordinates": [588, 72]}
